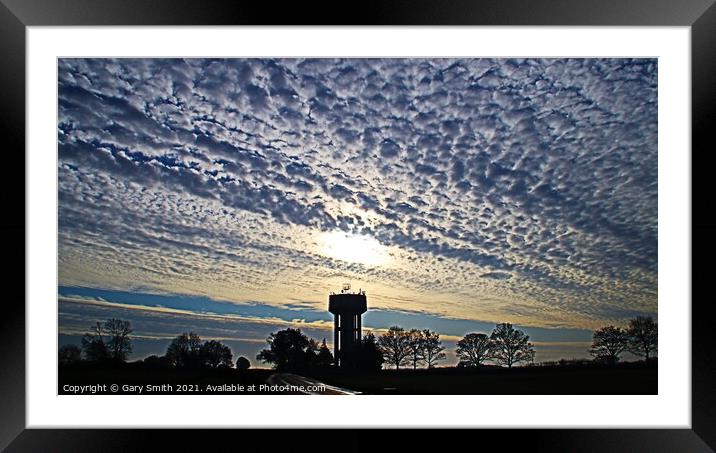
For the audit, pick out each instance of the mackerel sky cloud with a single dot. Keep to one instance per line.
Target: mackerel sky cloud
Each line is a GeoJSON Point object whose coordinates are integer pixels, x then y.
{"type": "Point", "coordinates": [509, 190]}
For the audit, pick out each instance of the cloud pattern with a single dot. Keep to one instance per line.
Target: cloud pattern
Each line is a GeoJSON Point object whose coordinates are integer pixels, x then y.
{"type": "Point", "coordinates": [522, 190]}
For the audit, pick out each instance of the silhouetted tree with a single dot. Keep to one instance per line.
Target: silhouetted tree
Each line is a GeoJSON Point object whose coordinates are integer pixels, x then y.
{"type": "Point", "coordinates": [474, 349]}
{"type": "Point", "coordinates": [608, 343]}
{"type": "Point", "coordinates": [94, 350]}
{"type": "Point", "coordinates": [93, 345]}
{"type": "Point", "coordinates": [311, 360]}
{"type": "Point", "coordinates": [243, 364]}
{"type": "Point", "coordinates": [324, 358]}
{"type": "Point", "coordinates": [395, 346]}
{"type": "Point", "coordinates": [185, 351]}
{"type": "Point", "coordinates": [432, 348]}
{"type": "Point", "coordinates": [642, 332]}
{"type": "Point", "coordinates": [69, 353]}
{"type": "Point", "coordinates": [155, 361]}
{"type": "Point", "coordinates": [118, 343]}
{"type": "Point", "coordinates": [108, 340]}
{"type": "Point", "coordinates": [510, 346]}
{"type": "Point", "coordinates": [215, 354]}
{"type": "Point", "coordinates": [289, 349]}
{"type": "Point", "coordinates": [415, 347]}
{"type": "Point", "coordinates": [370, 356]}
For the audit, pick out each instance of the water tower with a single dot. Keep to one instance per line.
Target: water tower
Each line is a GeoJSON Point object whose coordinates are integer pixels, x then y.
{"type": "Point", "coordinates": [347, 308]}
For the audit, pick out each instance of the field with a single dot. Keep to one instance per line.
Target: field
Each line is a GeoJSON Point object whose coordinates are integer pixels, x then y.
{"type": "Point", "coordinates": [623, 379]}
{"type": "Point", "coordinates": [137, 378]}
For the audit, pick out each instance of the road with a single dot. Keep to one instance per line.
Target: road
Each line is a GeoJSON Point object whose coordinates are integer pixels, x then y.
{"type": "Point", "coordinates": [310, 386]}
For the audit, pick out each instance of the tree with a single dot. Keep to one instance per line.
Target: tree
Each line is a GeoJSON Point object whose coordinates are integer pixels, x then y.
{"type": "Point", "coordinates": [432, 348]}
{"type": "Point", "coordinates": [118, 343]}
{"type": "Point", "coordinates": [395, 346]}
{"type": "Point", "coordinates": [311, 359]}
{"type": "Point", "coordinates": [185, 351]}
{"type": "Point", "coordinates": [370, 356]}
{"type": "Point", "coordinates": [93, 345]}
{"type": "Point", "coordinates": [154, 361]}
{"type": "Point", "coordinates": [608, 342]}
{"type": "Point", "coordinates": [69, 353]}
{"type": "Point", "coordinates": [324, 358]}
{"type": "Point", "coordinates": [116, 346]}
{"type": "Point", "coordinates": [642, 332]}
{"type": "Point", "coordinates": [510, 346]}
{"type": "Point", "coordinates": [415, 347]}
{"type": "Point", "coordinates": [288, 349]}
{"type": "Point", "coordinates": [243, 364]}
{"type": "Point", "coordinates": [215, 354]}
{"type": "Point", "coordinates": [474, 349]}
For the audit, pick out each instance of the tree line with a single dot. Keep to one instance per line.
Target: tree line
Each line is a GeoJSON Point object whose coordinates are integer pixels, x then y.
{"type": "Point", "coordinates": [506, 346]}
{"type": "Point", "coordinates": [290, 349]}
{"type": "Point", "coordinates": [107, 341]}
{"type": "Point", "coordinates": [414, 347]}
{"type": "Point", "coordinates": [640, 337]}
{"type": "Point", "coordinates": [110, 341]}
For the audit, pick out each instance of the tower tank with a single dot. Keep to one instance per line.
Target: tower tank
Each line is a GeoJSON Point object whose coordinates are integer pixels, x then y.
{"type": "Point", "coordinates": [347, 308]}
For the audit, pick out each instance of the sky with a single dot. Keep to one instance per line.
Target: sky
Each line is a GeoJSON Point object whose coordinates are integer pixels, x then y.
{"type": "Point", "coordinates": [230, 197]}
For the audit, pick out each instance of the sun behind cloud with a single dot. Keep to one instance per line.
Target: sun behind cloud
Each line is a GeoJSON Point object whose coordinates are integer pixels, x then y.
{"type": "Point", "coordinates": [353, 248]}
{"type": "Point", "coordinates": [518, 190]}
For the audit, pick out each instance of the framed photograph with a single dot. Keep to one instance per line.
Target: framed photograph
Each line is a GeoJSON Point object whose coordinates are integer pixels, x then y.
{"type": "Point", "coordinates": [480, 216]}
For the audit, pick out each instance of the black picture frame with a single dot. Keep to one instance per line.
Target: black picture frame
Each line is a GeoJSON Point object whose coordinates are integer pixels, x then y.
{"type": "Point", "coordinates": [16, 15]}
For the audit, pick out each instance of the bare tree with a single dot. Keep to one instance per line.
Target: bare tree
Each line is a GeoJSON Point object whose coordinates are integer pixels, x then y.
{"type": "Point", "coordinates": [432, 348]}
{"type": "Point", "coordinates": [118, 342]}
{"type": "Point", "coordinates": [394, 344]}
{"type": "Point", "coordinates": [643, 333]}
{"type": "Point", "coordinates": [511, 346]}
{"type": "Point", "coordinates": [415, 346]}
{"type": "Point", "coordinates": [108, 340]}
{"type": "Point", "coordinates": [608, 343]}
{"type": "Point", "coordinates": [93, 345]}
{"type": "Point", "coordinates": [474, 349]}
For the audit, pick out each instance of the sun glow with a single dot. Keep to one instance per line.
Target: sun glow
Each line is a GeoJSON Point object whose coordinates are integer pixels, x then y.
{"type": "Point", "coordinates": [353, 248]}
